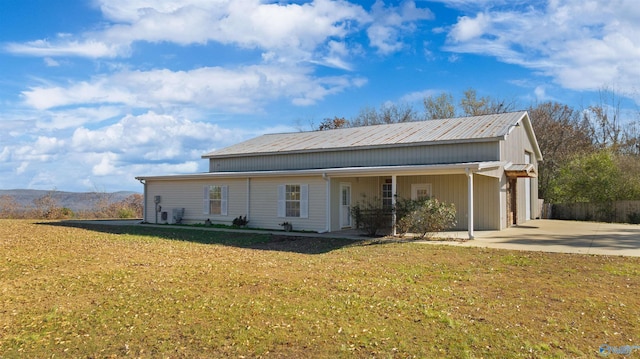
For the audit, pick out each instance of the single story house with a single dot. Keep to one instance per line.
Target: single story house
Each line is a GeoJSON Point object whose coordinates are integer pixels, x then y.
{"type": "Point", "coordinates": [485, 165]}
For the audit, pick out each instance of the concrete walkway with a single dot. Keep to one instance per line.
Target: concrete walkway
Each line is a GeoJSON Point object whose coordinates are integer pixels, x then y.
{"type": "Point", "coordinates": [562, 236]}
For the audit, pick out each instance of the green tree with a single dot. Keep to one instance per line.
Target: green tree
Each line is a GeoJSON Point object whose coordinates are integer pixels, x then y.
{"type": "Point", "coordinates": [598, 178]}
{"type": "Point", "coordinates": [594, 177]}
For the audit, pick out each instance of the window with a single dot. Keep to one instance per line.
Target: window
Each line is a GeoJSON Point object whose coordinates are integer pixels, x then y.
{"type": "Point", "coordinates": [293, 200]}
{"type": "Point", "coordinates": [387, 196]}
{"type": "Point", "coordinates": [421, 191]}
{"type": "Point", "coordinates": [215, 200]}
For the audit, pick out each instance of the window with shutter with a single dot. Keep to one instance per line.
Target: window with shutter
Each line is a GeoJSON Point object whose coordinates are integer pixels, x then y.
{"type": "Point", "coordinates": [215, 200]}
{"type": "Point", "coordinates": [293, 200]}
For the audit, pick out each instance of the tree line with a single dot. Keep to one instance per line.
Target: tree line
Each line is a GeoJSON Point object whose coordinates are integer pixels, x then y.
{"type": "Point", "coordinates": [48, 207]}
{"type": "Point", "coordinates": [591, 154]}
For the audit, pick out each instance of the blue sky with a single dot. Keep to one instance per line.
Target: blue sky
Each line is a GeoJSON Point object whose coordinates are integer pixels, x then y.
{"type": "Point", "coordinates": [96, 92]}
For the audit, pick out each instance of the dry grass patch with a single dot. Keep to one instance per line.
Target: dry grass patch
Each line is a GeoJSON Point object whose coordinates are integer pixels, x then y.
{"type": "Point", "coordinates": [104, 291]}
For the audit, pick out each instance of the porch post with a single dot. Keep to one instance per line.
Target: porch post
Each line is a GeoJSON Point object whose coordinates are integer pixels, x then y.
{"type": "Point", "coordinates": [327, 226]}
{"type": "Point", "coordinates": [393, 204]}
{"type": "Point", "coordinates": [248, 212]}
{"type": "Point", "coordinates": [470, 201]}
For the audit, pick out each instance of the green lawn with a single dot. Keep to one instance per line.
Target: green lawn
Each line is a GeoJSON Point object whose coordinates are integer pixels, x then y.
{"type": "Point", "coordinates": [100, 291]}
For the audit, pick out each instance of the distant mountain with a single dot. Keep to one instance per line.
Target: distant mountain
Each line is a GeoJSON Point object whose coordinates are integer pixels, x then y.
{"type": "Point", "coordinates": [76, 201]}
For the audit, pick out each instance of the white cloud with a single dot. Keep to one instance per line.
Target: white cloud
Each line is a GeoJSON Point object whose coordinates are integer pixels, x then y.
{"type": "Point", "coordinates": [540, 93]}
{"type": "Point", "coordinates": [469, 28]}
{"type": "Point", "coordinates": [581, 45]}
{"type": "Point", "coordinates": [113, 154]}
{"type": "Point", "coordinates": [106, 166]}
{"type": "Point", "coordinates": [22, 168]}
{"type": "Point", "coordinates": [4, 154]}
{"type": "Point", "coordinates": [390, 24]}
{"type": "Point", "coordinates": [239, 90]}
{"type": "Point", "coordinates": [147, 135]}
{"type": "Point", "coordinates": [292, 31]}
{"type": "Point", "coordinates": [65, 47]}
{"type": "Point", "coordinates": [49, 62]}
{"type": "Point", "coordinates": [48, 145]}
{"type": "Point", "coordinates": [337, 52]}
{"type": "Point", "coordinates": [287, 32]}
{"type": "Point", "coordinates": [419, 96]}
{"type": "Point", "coordinates": [74, 117]}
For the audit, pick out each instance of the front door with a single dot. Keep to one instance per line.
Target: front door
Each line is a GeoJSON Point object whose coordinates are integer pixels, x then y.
{"type": "Point", "coordinates": [345, 205]}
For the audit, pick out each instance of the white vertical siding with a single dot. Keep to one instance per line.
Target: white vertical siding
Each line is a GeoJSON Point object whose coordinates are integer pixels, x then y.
{"type": "Point", "coordinates": [264, 203]}
{"type": "Point", "coordinates": [504, 218]}
{"type": "Point", "coordinates": [486, 200]}
{"type": "Point", "coordinates": [189, 195]}
{"type": "Point", "coordinates": [335, 201]}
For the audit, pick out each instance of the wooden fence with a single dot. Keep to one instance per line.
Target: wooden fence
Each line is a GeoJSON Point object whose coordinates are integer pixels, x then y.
{"type": "Point", "coordinates": [619, 211]}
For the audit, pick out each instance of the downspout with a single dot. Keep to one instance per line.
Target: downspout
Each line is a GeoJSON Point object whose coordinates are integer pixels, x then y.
{"type": "Point", "coordinates": [327, 227]}
{"type": "Point", "coordinates": [470, 201]}
{"type": "Point", "coordinates": [144, 200]}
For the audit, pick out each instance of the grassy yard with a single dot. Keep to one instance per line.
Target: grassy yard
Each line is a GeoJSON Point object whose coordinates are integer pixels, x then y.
{"type": "Point", "coordinates": [101, 291]}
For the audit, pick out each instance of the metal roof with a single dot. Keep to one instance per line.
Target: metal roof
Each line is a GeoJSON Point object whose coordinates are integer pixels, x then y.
{"type": "Point", "coordinates": [461, 129]}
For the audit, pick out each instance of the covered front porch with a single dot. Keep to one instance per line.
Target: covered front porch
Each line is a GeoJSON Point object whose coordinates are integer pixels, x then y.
{"type": "Point", "coordinates": [474, 188]}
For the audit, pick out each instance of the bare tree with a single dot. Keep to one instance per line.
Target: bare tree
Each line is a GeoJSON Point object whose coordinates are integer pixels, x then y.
{"type": "Point", "coordinates": [130, 207]}
{"type": "Point", "coordinates": [333, 123]}
{"type": "Point", "coordinates": [473, 106]}
{"type": "Point", "coordinates": [9, 207]}
{"type": "Point", "coordinates": [630, 145]}
{"type": "Point", "coordinates": [389, 113]}
{"type": "Point", "coordinates": [47, 207]}
{"type": "Point", "coordinates": [398, 113]}
{"type": "Point", "coordinates": [438, 107]}
{"type": "Point", "coordinates": [604, 118]}
{"type": "Point", "coordinates": [561, 136]}
{"type": "Point", "coordinates": [366, 117]}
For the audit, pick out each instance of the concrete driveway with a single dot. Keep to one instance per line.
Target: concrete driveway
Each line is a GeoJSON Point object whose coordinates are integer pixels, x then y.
{"type": "Point", "coordinates": [565, 237]}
